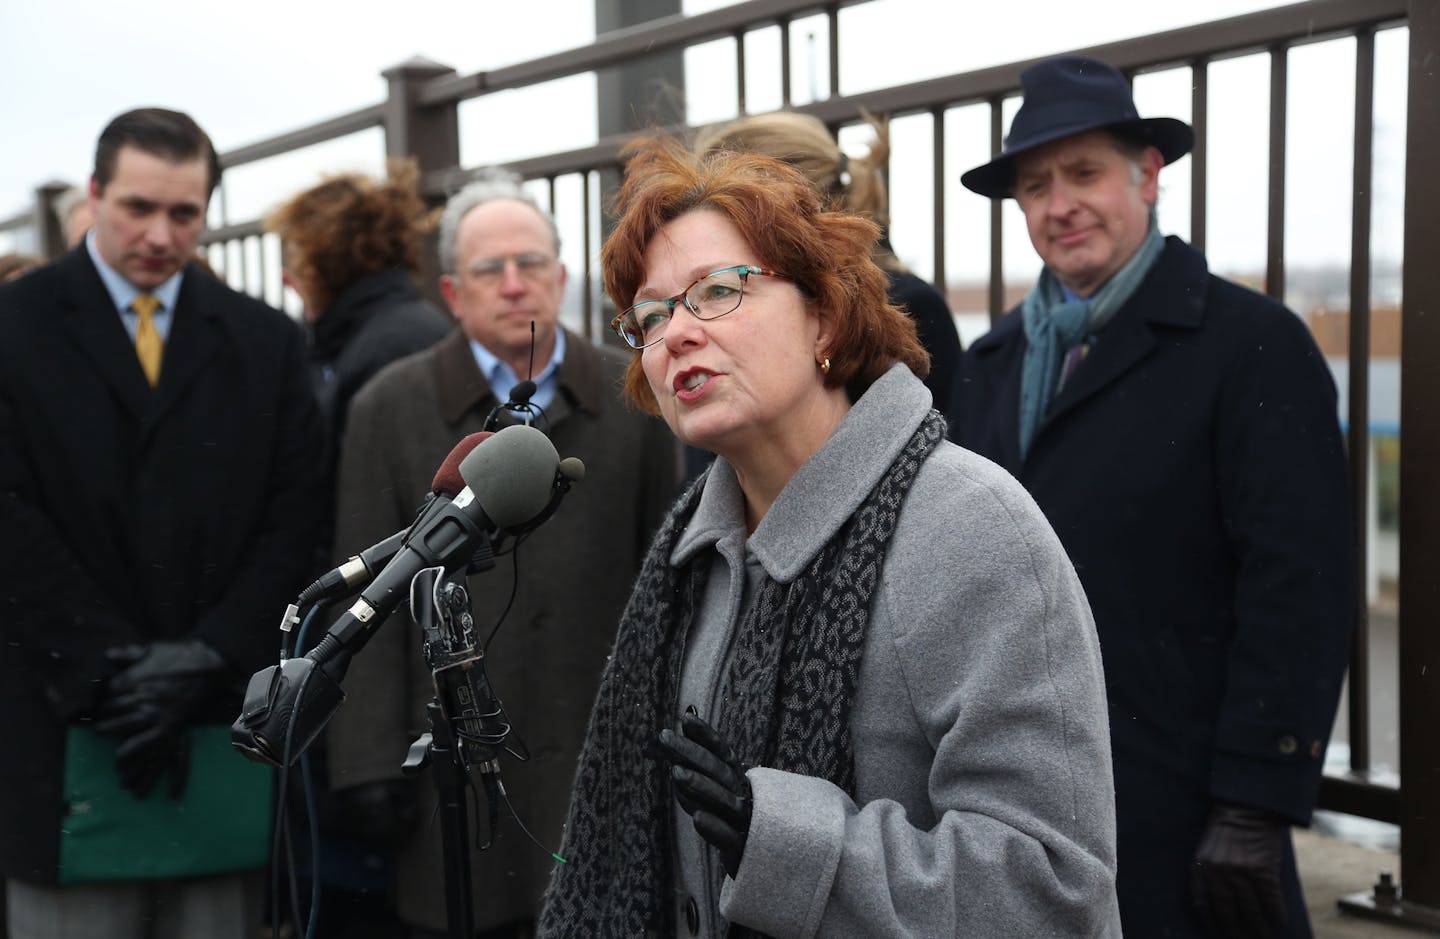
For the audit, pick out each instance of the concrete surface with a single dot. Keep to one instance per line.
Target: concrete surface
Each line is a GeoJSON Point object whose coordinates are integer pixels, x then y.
{"type": "Point", "coordinates": [1331, 868]}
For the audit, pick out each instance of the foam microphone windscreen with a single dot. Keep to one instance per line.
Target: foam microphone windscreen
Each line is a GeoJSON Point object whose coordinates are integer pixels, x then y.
{"type": "Point", "coordinates": [512, 475]}
{"type": "Point", "coordinates": [448, 478]}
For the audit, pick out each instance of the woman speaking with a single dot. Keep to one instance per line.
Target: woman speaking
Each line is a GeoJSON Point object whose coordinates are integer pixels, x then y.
{"type": "Point", "coordinates": [856, 691]}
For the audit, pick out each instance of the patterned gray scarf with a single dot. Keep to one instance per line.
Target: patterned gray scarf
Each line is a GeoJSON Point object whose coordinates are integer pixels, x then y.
{"type": "Point", "coordinates": [785, 703]}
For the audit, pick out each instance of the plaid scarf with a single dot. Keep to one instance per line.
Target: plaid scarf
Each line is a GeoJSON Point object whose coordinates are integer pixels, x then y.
{"type": "Point", "coordinates": [785, 703]}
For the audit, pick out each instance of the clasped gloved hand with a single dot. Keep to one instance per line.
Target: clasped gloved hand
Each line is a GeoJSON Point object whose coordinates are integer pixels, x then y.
{"type": "Point", "coordinates": [148, 704]}
{"type": "Point", "coordinates": [1235, 879]}
{"type": "Point", "coordinates": [710, 786]}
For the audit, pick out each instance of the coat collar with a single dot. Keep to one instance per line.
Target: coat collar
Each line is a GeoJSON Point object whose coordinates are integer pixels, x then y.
{"type": "Point", "coordinates": [463, 389]}
{"type": "Point", "coordinates": [356, 304]}
{"type": "Point", "coordinates": [824, 492]}
{"type": "Point", "coordinates": [196, 334]}
{"type": "Point", "coordinates": [195, 337]}
{"type": "Point", "coordinates": [1171, 296]}
{"type": "Point", "coordinates": [89, 316]}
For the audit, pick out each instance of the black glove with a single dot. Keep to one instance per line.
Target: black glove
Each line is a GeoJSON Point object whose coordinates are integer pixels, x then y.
{"type": "Point", "coordinates": [382, 814]}
{"type": "Point", "coordinates": [148, 705]}
{"type": "Point", "coordinates": [1235, 879]}
{"type": "Point", "coordinates": [710, 786]}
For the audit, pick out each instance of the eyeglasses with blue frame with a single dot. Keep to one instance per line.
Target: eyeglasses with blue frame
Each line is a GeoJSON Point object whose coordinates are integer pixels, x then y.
{"type": "Point", "coordinates": [710, 297]}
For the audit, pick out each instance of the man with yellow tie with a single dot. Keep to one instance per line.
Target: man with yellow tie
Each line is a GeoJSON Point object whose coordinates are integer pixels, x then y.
{"type": "Point", "coordinates": [159, 488]}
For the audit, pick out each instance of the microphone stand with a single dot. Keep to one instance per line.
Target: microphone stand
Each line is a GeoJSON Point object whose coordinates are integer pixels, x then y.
{"type": "Point", "coordinates": [440, 751]}
{"type": "Point", "coordinates": [462, 698]}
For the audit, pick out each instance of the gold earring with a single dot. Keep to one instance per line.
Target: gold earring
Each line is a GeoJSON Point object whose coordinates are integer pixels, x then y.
{"type": "Point", "coordinates": [825, 366]}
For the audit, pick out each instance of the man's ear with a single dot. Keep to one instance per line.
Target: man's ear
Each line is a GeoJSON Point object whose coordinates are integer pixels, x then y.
{"type": "Point", "coordinates": [447, 291]}
{"type": "Point", "coordinates": [1151, 162]}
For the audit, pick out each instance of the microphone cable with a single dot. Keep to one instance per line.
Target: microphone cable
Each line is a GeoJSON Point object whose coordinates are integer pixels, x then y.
{"type": "Point", "coordinates": [303, 925]}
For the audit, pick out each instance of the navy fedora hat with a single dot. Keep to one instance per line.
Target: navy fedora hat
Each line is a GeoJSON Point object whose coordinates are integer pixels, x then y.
{"type": "Point", "coordinates": [1070, 95]}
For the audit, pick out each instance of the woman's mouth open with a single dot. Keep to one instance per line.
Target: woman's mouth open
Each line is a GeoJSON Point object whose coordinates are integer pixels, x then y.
{"type": "Point", "coordinates": [691, 384]}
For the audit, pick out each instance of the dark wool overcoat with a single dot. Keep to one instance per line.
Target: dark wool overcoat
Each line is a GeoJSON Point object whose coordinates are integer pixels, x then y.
{"type": "Point", "coordinates": [1194, 470]}
{"type": "Point", "coordinates": [574, 577]}
{"type": "Point", "coordinates": [375, 320]}
{"type": "Point", "coordinates": [130, 514]}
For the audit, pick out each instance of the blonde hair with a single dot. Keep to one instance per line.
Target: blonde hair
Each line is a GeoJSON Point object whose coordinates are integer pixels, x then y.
{"type": "Point", "coordinates": [854, 184]}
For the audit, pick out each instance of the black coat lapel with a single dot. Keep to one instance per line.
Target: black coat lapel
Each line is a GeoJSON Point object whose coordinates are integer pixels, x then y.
{"type": "Point", "coordinates": [196, 334]}
{"type": "Point", "coordinates": [1001, 354]}
{"type": "Point", "coordinates": [1172, 294]}
{"type": "Point", "coordinates": [88, 314]}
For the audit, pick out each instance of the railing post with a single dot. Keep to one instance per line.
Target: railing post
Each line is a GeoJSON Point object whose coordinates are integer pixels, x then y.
{"type": "Point", "coordinates": [639, 95]}
{"type": "Point", "coordinates": [1417, 902]}
{"type": "Point", "coordinates": [648, 92]}
{"type": "Point", "coordinates": [1420, 457]}
{"type": "Point", "coordinates": [430, 134]}
{"type": "Point", "coordinates": [49, 227]}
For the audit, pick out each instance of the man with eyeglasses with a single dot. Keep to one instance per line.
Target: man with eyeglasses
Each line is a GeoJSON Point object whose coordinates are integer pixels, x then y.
{"type": "Point", "coordinates": [504, 282]}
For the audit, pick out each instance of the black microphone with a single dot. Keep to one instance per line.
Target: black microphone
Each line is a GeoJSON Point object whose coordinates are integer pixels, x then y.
{"type": "Point", "coordinates": [360, 569]}
{"type": "Point", "coordinates": [509, 478]}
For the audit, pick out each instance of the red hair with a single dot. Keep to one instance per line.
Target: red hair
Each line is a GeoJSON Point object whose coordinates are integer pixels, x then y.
{"type": "Point", "coordinates": [780, 215]}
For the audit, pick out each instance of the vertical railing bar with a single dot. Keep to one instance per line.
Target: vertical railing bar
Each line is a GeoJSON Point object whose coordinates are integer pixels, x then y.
{"type": "Point", "coordinates": [224, 220]}
{"type": "Point", "coordinates": [937, 158]}
{"type": "Point", "coordinates": [1358, 407]}
{"type": "Point", "coordinates": [740, 107]}
{"type": "Point", "coordinates": [1419, 609]}
{"type": "Point", "coordinates": [997, 261]}
{"type": "Point", "coordinates": [260, 244]}
{"type": "Point", "coordinates": [244, 266]}
{"type": "Point", "coordinates": [1275, 222]}
{"type": "Point", "coordinates": [1199, 120]}
{"type": "Point", "coordinates": [587, 284]}
{"type": "Point", "coordinates": [832, 15]}
{"type": "Point", "coordinates": [785, 89]}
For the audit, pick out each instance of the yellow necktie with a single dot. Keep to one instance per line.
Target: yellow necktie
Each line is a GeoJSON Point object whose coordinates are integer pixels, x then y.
{"type": "Point", "coordinates": [149, 347]}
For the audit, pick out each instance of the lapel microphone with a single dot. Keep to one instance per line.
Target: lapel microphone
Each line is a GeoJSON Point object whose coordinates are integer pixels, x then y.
{"type": "Point", "coordinates": [519, 406]}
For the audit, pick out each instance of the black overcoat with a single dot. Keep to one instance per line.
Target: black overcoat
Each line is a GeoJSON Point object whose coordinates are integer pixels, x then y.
{"type": "Point", "coordinates": [132, 514]}
{"type": "Point", "coordinates": [376, 319]}
{"type": "Point", "coordinates": [1193, 468]}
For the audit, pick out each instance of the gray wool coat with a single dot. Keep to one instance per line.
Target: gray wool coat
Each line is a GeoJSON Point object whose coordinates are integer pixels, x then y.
{"type": "Point", "coordinates": [984, 801]}
{"type": "Point", "coordinates": [575, 573]}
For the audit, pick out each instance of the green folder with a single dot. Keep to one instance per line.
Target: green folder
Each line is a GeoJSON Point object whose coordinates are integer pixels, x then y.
{"type": "Point", "coordinates": [221, 823]}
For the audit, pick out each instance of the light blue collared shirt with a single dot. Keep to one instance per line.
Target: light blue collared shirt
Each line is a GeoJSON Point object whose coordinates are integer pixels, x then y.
{"type": "Point", "coordinates": [123, 293]}
{"type": "Point", "coordinates": [503, 379]}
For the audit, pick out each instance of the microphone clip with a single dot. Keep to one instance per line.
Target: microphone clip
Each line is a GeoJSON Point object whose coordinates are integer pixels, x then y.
{"type": "Point", "coordinates": [518, 408]}
{"type": "Point", "coordinates": [441, 608]}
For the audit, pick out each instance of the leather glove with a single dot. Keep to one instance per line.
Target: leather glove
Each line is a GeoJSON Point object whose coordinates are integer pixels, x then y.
{"type": "Point", "coordinates": [148, 705]}
{"type": "Point", "coordinates": [382, 814]}
{"type": "Point", "coordinates": [1235, 879]}
{"type": "Point", "coordinates": [710, 786]}
{"type": "Point", "coordinates": [152, 755]}
{"type": "Point", "coordinates": [174, 675]}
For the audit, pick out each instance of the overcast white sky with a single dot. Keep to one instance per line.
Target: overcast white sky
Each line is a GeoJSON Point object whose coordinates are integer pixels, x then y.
{"type": "Point", "coordinates": [244, 73]}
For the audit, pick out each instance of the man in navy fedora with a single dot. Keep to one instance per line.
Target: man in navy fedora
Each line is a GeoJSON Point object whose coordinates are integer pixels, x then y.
{"type": "Point", "coordinates": [1180, 433]}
